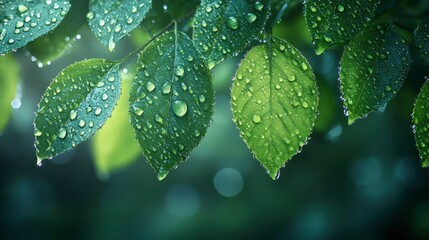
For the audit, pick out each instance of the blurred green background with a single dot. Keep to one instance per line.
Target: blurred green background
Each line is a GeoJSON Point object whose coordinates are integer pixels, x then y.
{"type": "Point", "coordinates": [350, 182]}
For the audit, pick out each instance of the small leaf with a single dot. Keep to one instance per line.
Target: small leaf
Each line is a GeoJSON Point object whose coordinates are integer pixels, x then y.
{"type": "Point", "coordinates": [9, 75]}
{"type": "Point", "coordinates": [334, 22]}
{"type": "Point", "coordinates": [274, 102]}
{"type": "Point", "coordinates": [223, 28]}
{"type": "Point", "coordinates": [421, 123]}
{"type": "Point", "coordinates": [114, 146]}
{"type": "Point", "coordinates": [373, 68]}
{"type": "Point", "coordinates": [75, 106]}
{"type": "Point", "coordinates": [23, 21]}
{"type": "Point", "coordinates": [171, 101]}
{"type": "Point", "coordinates": [110, 21]}
{"type": "Point", "coordinates": [51, 46]}
{"type": "Point", "coordinates": [422, 39]}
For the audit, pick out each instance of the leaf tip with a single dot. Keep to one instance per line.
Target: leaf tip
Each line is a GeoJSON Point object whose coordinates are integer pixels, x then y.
{"type": "Point", "coordinates": [39, 162]}
{"type": "Point", "coordinates": [319, 50]}
{"type": "Point", "coordinates": [351, 121]}
{"type": "Point", "coordinates": [162, 175]}
{"type": "Point", "coordinates": [274, 174]}
{"type": "Point", "coordinates": [112, 45]}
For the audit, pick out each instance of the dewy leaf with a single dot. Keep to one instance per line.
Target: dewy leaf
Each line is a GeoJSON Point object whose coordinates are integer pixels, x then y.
{"type": "Point", "coordinates": [114, 146]}
{"type": "Point", "coordinates": [373, 68]}
{"type": "Point", "coordinates": [334, 22]}
{"type": "Point", "coordinates": [422, 39]}
{"type": "Point", "coordinates": [9, 75]}
{"type": "Point", "coordinates": [171, 102]}
{"type": "Point", "coordinates": [23, 21]}
{"type": "Point", "coordinates": [51, 46]}
{"type": "Point", "coordinates": [223, 28]}
{"type": "Point", "coordinates": [110, 21]}
{"type": "Point", "coordinates": [421, 123]}
{"type": "Point", "coordinates": [75, 106]}
{"type": "Point", "coordinates": [274, 102]}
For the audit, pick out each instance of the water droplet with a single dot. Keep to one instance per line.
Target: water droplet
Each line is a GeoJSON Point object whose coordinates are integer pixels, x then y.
{"type": "Point", "coordinates": [388, 88]}
{"type": "Point", "coordinates": [232, 23]}
{"type": "Point", "coordinates": [82, 123]}
{"type": "Point", "coordinates": [104, 97]}
{"type": "Point", "coordinates": [291, 78]}
{"type": "Point", "coordinates": [112, 44]}
{"type": "Point", "coordinates": [251, 17]}
{"type": "Point", "coordinates": [101, 23]}
{"type": "Point", "coordinates": [97, 111]}
{"type": "Point", "coordinates": [259, 6]}
{"type": "Point", "coordinates": [197, 133]}
{"type": "Point", "coordinates": [304, 66]}
{"type": "Point", "coordinates": [256, 118]}
{"type": "Point", "coordinates": [202, 98]}
{"type": "Point", "coordinates": [19, 24]}
{"type": "Point", "coordinates": [166, 89]}
{"type": "Point", "coordinates": [150, 86]}
{"type": "Point", "coordinates": [180, 71]}
{"type": "Point", "coordinates": [37, 133]}
{"type": "Point", "coordinates": [209, 9]}
{"type": "Point", "coordinates": [73, 114]}
{"type": "Point", "coordinates": [158, 119]}
{"type": "Point", "coordinates": [90, 15]}
{"type": "Point", "coordinates": [22, 8]}
{"type": "Point", "coordinates": [340, 8]}
{"type": "Point", "coordinates": [63, 133]}
{"type": "Point", "coordinates": [180, 108]}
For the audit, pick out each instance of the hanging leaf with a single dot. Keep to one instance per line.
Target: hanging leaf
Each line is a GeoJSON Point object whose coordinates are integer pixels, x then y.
{"type": "Point", "coordinates": [51, 46]}
{"type": "Point", "coordinates": [421, 123]}
{"type": "Point", "coordinates": [171, 101]}
{"type": "Point", "coordinates": [334, 22]}
{"type": "Point", "coordinates": [75, 106]}
{"type": "Point", "coordinates": [223, 28]}
{"type": "Point", "coordinates": [110, 21]}
{"type": "Point", "coordinates": [23, 21]}
{"type": "Point", "coordinates": [274, 102]}
{"type": "Point", "coordinates": [422, 39]}
{"type": "Point", "coordinates": [9, 75]}
{"type": "Point", "coordinates": [114, 146]}
{"type": "Point", "coordinates": [373, 68]}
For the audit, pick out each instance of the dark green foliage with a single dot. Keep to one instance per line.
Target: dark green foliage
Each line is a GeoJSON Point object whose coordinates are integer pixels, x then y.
{"type": "Point", "coordinates": [373, 68]}
{"type": "Point", "coordinates": [171, 102]}
{"type": "Point", "coordinates": [24, 21]}
{"type": "Point", "coordinates": [422, 39]}
{"type": "Point", "coordinates": [421, 124]}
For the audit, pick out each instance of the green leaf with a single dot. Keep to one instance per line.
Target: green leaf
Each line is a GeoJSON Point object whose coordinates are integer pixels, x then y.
{"type": "Point", "coordinates": [373, 68]}
{"type": "Point", "coordinates": [334, 22]}
{"type": "Point", "coordinates": [274, 102]}
{"type": "Point", "coordinates": [23, 21]}
{"type": "Point", "coordinates": [224, 28]}
{"type": "Point", "coordinates": [110, 21]}
{"type": "Point", "coordinates": [75, 106]}
{"type": "Point", "coordinates": [422, 39]}
{"type": "Point", "coordinates": [51, 46]}
{"type": "Point", "coordinates": [171, 101]}
{"type": "Point", "coordinates": [421, 123]}
{"type": "Point", "coordinates": [114, 146]}
{"type": "Point", "coordinates": [9, 75]}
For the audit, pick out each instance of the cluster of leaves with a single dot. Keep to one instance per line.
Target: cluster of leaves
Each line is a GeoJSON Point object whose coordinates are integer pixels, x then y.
{"type": "Point", "coordinates": [170, 99]}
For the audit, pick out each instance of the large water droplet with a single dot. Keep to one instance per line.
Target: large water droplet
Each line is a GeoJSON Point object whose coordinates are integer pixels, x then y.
{"type": "Point", "coordinates": [180, 108]}
{"type": "Point", "coordinates": [180, 71]}
{"type": "Point", "coordinates": [63, 133]}
{"type": "Point", "coordinates": [251, 17]}
{"type": "Point", "coordinates": [256, 118]}
{"type": "Point", "coordinates": [150, 86]}
{"type": "Point", "coordinates": [232, 23]}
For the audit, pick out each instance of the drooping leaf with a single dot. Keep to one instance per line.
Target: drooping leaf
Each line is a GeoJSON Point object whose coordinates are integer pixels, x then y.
{"type": "Point", "coordinates": [114, 146]}
{"type": "Point", "coordinates": [9, 75]}
{"type": "Point", "coordinates": [422, 39]}
{"type": "Point", "coordinates": [373, 68]}
{"type": "Point", "coordinates": [223, 28]}
{"type": "Point", "coordinates": [110, 21]}
{"type": "Point", "coordinates": [75, 105]}
{"type": "Point", "coordinates": [334, 22]}
{"type": "Point", "coordinates": [51, 46]}
{"type": "Point", "coordinates": [23, 21]}
{"type": "Point", "coordinates": [274, 102]}
{"type": "Point", "coordinates": [171, 101]}
{"type": "Point", "coordinates": [421, 123]}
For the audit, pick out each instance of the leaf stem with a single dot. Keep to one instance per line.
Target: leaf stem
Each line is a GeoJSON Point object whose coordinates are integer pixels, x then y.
{"type": "Point", "coordinates": [279, 16]}
{"type": "Point", "coordinates": [149, 42]}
